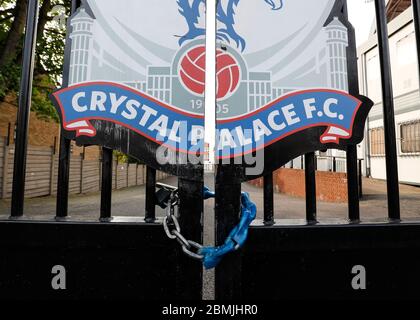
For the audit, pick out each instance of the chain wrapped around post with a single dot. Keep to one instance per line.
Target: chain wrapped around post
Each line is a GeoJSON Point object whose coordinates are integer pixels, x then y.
{"type": "Point", "coordinates": [173, 229]}
{"type": "Point", "coordinates": [168, 199]}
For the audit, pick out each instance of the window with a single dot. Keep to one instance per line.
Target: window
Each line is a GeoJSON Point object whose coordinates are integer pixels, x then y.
{"type": "Point", "coordinates": [373, 77]}
{"type": "Point", "coordinates": [410, 137]}
{"type": "Point", "coordinates": [323, 154]}
{"type": "Point", "coordinates": [405, 72]}
{"type": "Point", "coordinates": [377, 142]}
{"type": "Point", "coordinates": [406, 50]}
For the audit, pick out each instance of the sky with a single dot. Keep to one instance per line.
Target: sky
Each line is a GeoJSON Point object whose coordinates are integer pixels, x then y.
{"type": "Point", "coordinates": [361, 15]}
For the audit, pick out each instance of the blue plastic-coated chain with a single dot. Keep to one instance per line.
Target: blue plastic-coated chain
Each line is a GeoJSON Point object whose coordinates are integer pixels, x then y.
{"type": "Point", "coordinates": [237, 237]}
{"type": "Point", "coordinates": [207, 194]}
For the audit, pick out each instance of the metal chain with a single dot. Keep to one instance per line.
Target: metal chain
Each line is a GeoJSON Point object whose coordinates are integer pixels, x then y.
{"type": "Point", "coordinates": [210, 256]}
{"type": "Point", "coordinates": [173, 229]}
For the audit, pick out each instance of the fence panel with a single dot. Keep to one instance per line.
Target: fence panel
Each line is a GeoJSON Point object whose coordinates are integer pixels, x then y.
{"type": "Point", "coordinates": [90, 176]}
{"type": "Point", "coordinates": [38, 172]}
{"type": "Point", "coordinates": [9, 172]}
{"type": "Point", "coordinates": [75, 174]}
{"type": "Point", "coordinates": [141, 174]}
{"type": "Point", "coordinates": [132, 172]}
{"type": "Point", "coordinates": [114, 174]}
{"type": "Point", "coordinates": [2, 166]}
{"type": "Point", "coordinates": [54, 179]}
{"type": "Point", "coordinates": [85, 175]}
{"type": "Point", "coordinates": [121, 175]}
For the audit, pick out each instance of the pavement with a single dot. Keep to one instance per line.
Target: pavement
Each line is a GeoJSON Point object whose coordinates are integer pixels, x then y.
{"type": "Point", "coordinates": [130, 202]}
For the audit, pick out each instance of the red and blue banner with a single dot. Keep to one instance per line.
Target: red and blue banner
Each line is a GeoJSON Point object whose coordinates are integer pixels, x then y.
{"type": "Point", "coordinates": [183, 131]}
{"type": "Point", "coordinates": [132, 109]}
{"type": "Point", "coordinates": [288, 115]}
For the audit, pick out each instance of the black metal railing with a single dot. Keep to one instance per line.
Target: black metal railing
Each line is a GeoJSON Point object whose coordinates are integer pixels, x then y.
{"type": "Point", "coordinates": [353, 164]}
{"type": "Point", "coordinates": [18, 193]}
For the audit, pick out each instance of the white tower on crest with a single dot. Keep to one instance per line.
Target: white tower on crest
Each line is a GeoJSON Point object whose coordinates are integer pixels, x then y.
{"type": "Point", "coordinates": [81, 44]}
{"type": "Point", "coordinates": [337, 43]}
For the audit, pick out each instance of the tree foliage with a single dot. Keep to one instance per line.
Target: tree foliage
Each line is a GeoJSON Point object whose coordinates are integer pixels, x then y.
{"type": "Point", "coordinates": [49, 51]}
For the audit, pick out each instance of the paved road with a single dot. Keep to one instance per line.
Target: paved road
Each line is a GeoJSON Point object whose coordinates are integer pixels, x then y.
{"type": "Point", "coordinates": [130, 203]}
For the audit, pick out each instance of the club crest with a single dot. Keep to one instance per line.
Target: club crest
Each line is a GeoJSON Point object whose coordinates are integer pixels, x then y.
{"type": "Point", "coordinates": [283, 70]}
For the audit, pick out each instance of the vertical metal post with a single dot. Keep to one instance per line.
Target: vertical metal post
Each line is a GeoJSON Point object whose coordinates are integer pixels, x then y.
{"type": "Point", "coordinates": [74, 5]}
{"type": "Point", "coordinates": [351, 154]}
{"type": "Point", "coordinates": [334, 164]}
{"type": "Point", "coordinates": [268, 200]}
{"type": "Point", "coordinates": [63, 177]}
{"type": "Point", "coordinates": [64, 154]}
{"type": "Point", "coordinates": [190, 272]}
{"type": "Point", "coordinates": [352, 184]}
{"type": "Point", "coordinates": [150, 215]}
{"type": "Point", "coordinates": [227, 212]}
{"type": "Point", "coordinates": [388, 110]}
{"type": "Point", "coordinates": [310, 187]}
{"type": "Point", "coordinates": [21, 142]}
{"type": "Point", "coordinates": [360, 179]}
{"type": "Point", "coordinates": [8, 134]}
{"type": "Point", "coordinates": [106, 186]}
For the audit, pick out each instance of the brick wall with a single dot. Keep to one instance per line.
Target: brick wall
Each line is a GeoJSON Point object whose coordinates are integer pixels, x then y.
{"type": "Point", "coordinates": [330, 186]}
{"type": "Point", "coordinates": [41, 132]}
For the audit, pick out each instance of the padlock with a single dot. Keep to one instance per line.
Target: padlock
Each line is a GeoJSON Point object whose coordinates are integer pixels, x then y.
{"type": "Point", "coordinates": [163, 197]}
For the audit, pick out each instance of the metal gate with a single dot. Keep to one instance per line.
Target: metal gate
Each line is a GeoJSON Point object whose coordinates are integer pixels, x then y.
{"type": "Point", "coordinates": [115, 258]}
{"type": "Point", "coordinates": [110, 258]}
{"type": "Point", "coordinates": [314, 259]}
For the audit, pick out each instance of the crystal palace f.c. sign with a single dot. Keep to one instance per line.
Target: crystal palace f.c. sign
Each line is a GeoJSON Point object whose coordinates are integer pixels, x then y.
{"type": "Point", "coordinates": [286, 77]}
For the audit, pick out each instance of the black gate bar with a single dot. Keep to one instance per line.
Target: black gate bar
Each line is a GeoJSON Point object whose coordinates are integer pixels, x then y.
{"type": "Point", "coordinates": [190, 272]}
{"type": "Point", "coordinates": [351, 152]}
{"type": "Point", "coordinates": [227, 214]}
{"type": "Point", "coordinates": [75, 4]}
{"type": "Point", "coordinates": [25, 95]}
{"type": "Point", "coordinates": [150, 215]}
{"type": "Point", "coordinates": [360, 179]}
{"type": "Point", "coordinates": [352, 184]}
{"type": "Point", "coordinates": [388, 110]}
{"type": "Point", "coordinates": [106, 185]}
{"type": "Point", "coordinates": [268, 200]}
{"type": "Point", "coordinates": [65, 153]}
{"type": "Point", "coordinates": [63, 178]}
{"type": "Point", "coordinates": [310, 187]}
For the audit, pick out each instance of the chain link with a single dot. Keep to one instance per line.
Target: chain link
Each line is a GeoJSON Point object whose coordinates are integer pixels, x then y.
{"type": "Point", "coordinates": [173, 229]}
{"type": "Point", "coordinates": [210, 256]}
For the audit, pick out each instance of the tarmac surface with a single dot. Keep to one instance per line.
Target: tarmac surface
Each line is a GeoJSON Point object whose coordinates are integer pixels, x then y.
{"type": "Point", "coordinates": [130, 202]}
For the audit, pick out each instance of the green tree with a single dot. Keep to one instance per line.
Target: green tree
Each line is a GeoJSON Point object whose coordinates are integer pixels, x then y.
{"type": "Point", "coordinates": [49, 53]}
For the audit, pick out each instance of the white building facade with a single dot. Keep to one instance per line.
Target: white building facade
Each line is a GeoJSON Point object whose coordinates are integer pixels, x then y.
{"type": "Point", "coordinates": [81, 42]}
{"type": "Point", "coordinates": [405, 76]}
